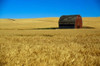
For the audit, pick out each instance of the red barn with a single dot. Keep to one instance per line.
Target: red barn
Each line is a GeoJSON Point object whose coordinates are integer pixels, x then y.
{"type": "Point", "coordinates": [70, 21]}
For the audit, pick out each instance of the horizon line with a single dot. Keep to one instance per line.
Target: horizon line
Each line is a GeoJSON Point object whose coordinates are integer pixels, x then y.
{"type": "Point", "coordinates": [42, 17]}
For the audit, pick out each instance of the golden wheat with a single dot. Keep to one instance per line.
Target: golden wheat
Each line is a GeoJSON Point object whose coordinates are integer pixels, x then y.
{"type": "Point", "coordinates": [38, 42]}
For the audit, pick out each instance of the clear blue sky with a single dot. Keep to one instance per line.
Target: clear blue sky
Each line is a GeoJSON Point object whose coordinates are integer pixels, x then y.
{"type": "Point", "coordinates": [48, 8]}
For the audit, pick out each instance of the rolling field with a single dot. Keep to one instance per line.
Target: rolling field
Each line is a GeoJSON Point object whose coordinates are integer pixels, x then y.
{"type": "Point", "coordinates": [39, 42]}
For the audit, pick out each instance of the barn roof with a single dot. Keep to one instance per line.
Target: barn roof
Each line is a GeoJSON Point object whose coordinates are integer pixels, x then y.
{"type": "Point", "coordinates": [67, 18]}
{"type": "Point", "coordinates": [70, 15]}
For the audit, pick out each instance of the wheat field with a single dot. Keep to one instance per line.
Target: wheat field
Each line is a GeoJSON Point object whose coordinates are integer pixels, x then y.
{"type": "Point", "coordinates": [39, 42]}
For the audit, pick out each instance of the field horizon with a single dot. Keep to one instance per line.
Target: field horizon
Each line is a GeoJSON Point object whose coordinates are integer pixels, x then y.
{"type": "Point", "coordinates": [40, 42]}
{"type": "Point", "coordinates": [42, 20]}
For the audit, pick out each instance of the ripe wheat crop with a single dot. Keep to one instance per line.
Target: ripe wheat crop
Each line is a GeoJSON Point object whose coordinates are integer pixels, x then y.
{"type": "Point", "coordinates": [39, 42]}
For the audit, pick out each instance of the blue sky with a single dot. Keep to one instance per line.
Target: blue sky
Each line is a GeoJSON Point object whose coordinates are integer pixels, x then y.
{"type": "Point", "coordinates": [48, 8]}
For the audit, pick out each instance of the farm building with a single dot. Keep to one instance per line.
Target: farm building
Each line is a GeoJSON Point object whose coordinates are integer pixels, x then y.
{"type": "Point", "coordinates": [70, 21]}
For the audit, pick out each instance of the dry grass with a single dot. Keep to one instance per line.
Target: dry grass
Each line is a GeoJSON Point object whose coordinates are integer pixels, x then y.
{"type": "Point", "coordinates": [35, 42]}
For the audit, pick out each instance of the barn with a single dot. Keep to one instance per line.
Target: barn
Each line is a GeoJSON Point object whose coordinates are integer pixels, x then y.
{"type": "Point", "coordinates": [70, 21]}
